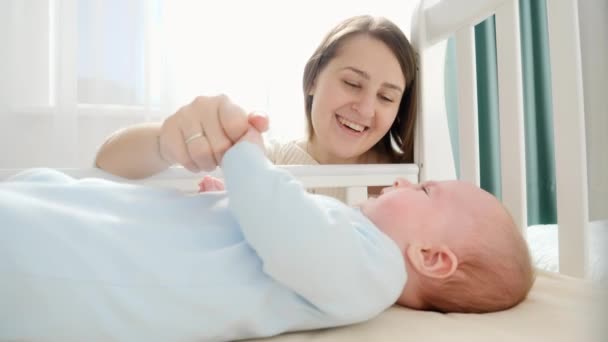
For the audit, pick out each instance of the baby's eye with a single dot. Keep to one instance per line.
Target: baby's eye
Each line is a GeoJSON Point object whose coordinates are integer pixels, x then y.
{"type": "Point", "coordinates": [425, 189]}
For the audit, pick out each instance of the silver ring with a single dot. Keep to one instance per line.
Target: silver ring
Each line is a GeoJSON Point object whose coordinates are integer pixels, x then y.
{"type": "Point", "coordinates": [194, 137]}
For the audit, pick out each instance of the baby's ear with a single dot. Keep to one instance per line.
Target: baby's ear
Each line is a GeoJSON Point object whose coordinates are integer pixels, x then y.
{"type": "Point", "coordinates": [437, 262]}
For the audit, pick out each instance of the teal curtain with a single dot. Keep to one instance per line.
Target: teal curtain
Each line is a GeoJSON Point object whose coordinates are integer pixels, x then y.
{"type": "Point", "coordinates": [540, 161]}
{"type": "Point", "coordinates": [487, 104]}
{"type": "Point", "coordinates": [540, 165]}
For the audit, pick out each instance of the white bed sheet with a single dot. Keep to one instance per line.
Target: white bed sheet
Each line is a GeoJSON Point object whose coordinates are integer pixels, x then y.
{"type": "Point", "coordinates": [543, 243]}
{"type": "Point", "coordinates": [557, 309]}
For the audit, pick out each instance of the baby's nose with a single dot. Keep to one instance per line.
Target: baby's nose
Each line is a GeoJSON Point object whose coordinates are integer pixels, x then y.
{"type": "Point", "coordinates": [402, 182]}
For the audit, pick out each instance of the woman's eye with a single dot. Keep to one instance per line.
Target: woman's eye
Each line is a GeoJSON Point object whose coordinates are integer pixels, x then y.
{"type": "Point", "coordinates": [387, 99]}
{"type": "Point", "coordinates": [351, 84]}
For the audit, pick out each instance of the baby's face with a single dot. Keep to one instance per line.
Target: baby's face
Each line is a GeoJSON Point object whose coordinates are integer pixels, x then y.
{"type": "Point", "coordinates": [452, 216]}
{"type": "Point", "coordinates": [425, 212]}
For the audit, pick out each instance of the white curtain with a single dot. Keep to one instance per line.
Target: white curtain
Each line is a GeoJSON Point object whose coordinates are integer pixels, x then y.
{"type": "Point", "coordinates": [73, 71]}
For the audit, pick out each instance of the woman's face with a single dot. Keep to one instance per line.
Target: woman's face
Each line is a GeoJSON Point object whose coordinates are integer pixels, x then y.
{"type": "Point", "coordinates": [355, 100]}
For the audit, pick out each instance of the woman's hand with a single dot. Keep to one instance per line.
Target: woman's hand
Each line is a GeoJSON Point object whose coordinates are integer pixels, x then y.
{"type": "Point", "coordinates": [198, 135]}
{"type": "Point", "coordinates": [253, 135]}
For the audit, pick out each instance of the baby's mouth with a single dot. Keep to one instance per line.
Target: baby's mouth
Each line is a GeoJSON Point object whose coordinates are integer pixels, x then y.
{"type": "Point", "coordinates": [353, 126]}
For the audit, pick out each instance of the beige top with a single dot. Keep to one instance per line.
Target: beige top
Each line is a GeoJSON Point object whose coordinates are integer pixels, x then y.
{"type": "Point", "coordinates": [289, 153]}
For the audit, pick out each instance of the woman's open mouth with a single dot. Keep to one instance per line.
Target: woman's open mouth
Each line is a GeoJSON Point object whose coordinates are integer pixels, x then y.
{"type": "Point", "coordinates": [351, 127]}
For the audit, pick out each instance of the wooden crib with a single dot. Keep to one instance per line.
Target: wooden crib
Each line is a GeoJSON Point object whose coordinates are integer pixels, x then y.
{"type": "Point", "coordinates": [560, 306]}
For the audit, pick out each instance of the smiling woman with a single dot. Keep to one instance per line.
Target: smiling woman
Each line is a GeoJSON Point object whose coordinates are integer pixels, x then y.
{"type": "Point", "coordinates": [259, 56]}
{"type": "Point", "coordinates": [353, 101]}
{"type": "Point", "coordinates": [359, 90]}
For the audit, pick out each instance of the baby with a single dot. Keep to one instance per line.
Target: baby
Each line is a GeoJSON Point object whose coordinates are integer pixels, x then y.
{"type": "Point", "coordinates": [94, 260]}
{"type": "Point", "coordinates": [462, 250]}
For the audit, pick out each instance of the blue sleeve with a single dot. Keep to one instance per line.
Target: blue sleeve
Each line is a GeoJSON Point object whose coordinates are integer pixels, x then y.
{"type": "Point", "coordinates": [44, 175]}
{"type": "Point", "coordinates": [328, 253]}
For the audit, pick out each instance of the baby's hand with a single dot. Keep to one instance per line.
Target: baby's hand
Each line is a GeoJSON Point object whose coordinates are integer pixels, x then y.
{"type": "Point", "coordinates": [210, 183]}
{"type": "Point", "coordinates": [253, 134]}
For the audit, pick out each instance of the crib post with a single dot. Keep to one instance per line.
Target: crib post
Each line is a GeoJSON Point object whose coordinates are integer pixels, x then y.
{"type": "Point", "coordinates": [569, 133]}
{"type": "Point", "coordinates": [511, 112]}
{"type": "Point", "coordinates": [433, 150]}
{"type": "Point", "coordinates": [467, 105]}
{"type": "Point", "coordinates": [418, 35]}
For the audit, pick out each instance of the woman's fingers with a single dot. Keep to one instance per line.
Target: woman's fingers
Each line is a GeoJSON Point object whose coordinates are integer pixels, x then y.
{"type": "Point", "coordinates": [198, 135]}
{"type": "Point", "coordinates": [208, 111]}
{"type": "Point", "coordinates": [233, 120]}
{"type": "Point", "coordinates": [172, 146]}
{"type": "Point", "coordinates": [195, 139]}
{"type": "Point", "coordinates": [253, 136]}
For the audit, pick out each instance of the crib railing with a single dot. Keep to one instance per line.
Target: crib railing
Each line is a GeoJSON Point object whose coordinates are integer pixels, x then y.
{"type": "Point", "coordinates": [434, 22]}
{"type": "Point", "coordinates": [354, 178]}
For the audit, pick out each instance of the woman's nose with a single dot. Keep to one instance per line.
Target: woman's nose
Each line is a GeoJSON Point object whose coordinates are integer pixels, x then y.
{"type": "Point", "coordinates": [364, 105]}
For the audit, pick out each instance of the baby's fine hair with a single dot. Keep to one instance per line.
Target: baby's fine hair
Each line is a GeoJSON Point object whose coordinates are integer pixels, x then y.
{"type": "Point", "coordinates": [487, 279]}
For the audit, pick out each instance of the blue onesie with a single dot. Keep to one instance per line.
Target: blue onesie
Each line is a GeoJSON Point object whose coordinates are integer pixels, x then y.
{"type": "Point", "coordinates": [94, 260]}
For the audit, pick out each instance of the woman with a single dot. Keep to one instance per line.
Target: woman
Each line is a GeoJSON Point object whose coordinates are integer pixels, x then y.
{"type": "Point", "coordinates": [360, 103]}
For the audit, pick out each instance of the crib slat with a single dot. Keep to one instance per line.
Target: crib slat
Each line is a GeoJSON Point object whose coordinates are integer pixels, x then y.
{"type": "Point", "coordinates": [445, 17]}
{"type": "Point", "coordinates": [418, 40]}
{"type": "Point", "coordinates": [569, 136]}
{"type": "Point", "coordinates": [467, 105]}
{"type": "Point", "coordinates": [512, 155]}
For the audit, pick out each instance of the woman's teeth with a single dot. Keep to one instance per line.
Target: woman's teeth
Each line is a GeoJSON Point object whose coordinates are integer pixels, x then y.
{"type": "Point", "coordinates": [352, 125]}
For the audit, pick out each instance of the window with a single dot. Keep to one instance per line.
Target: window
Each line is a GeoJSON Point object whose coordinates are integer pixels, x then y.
{"type": "Point", "coordinates": [76, 70]}
{"type": "Point", "coordinates": [112, 37]}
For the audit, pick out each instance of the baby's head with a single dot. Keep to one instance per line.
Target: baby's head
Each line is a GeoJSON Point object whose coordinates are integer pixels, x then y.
{"type": "Point", "coordinates": [462, 250]}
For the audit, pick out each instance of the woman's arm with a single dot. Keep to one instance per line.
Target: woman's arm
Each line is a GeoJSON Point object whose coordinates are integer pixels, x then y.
{"type": "Point", "coordinates": [133, 152]}
{"type": "Point", "coordinates": [195, 137]}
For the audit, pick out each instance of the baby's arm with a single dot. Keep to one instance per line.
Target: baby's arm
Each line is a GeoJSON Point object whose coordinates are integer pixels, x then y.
{"type": "Point", "coordinates": [252, 135]}
{"type": "Point", "coordinates": [328, 253]}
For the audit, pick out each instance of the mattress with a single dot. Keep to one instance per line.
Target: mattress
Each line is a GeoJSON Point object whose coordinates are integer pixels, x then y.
{"type": "Point", "coordinates": [558, 308]}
